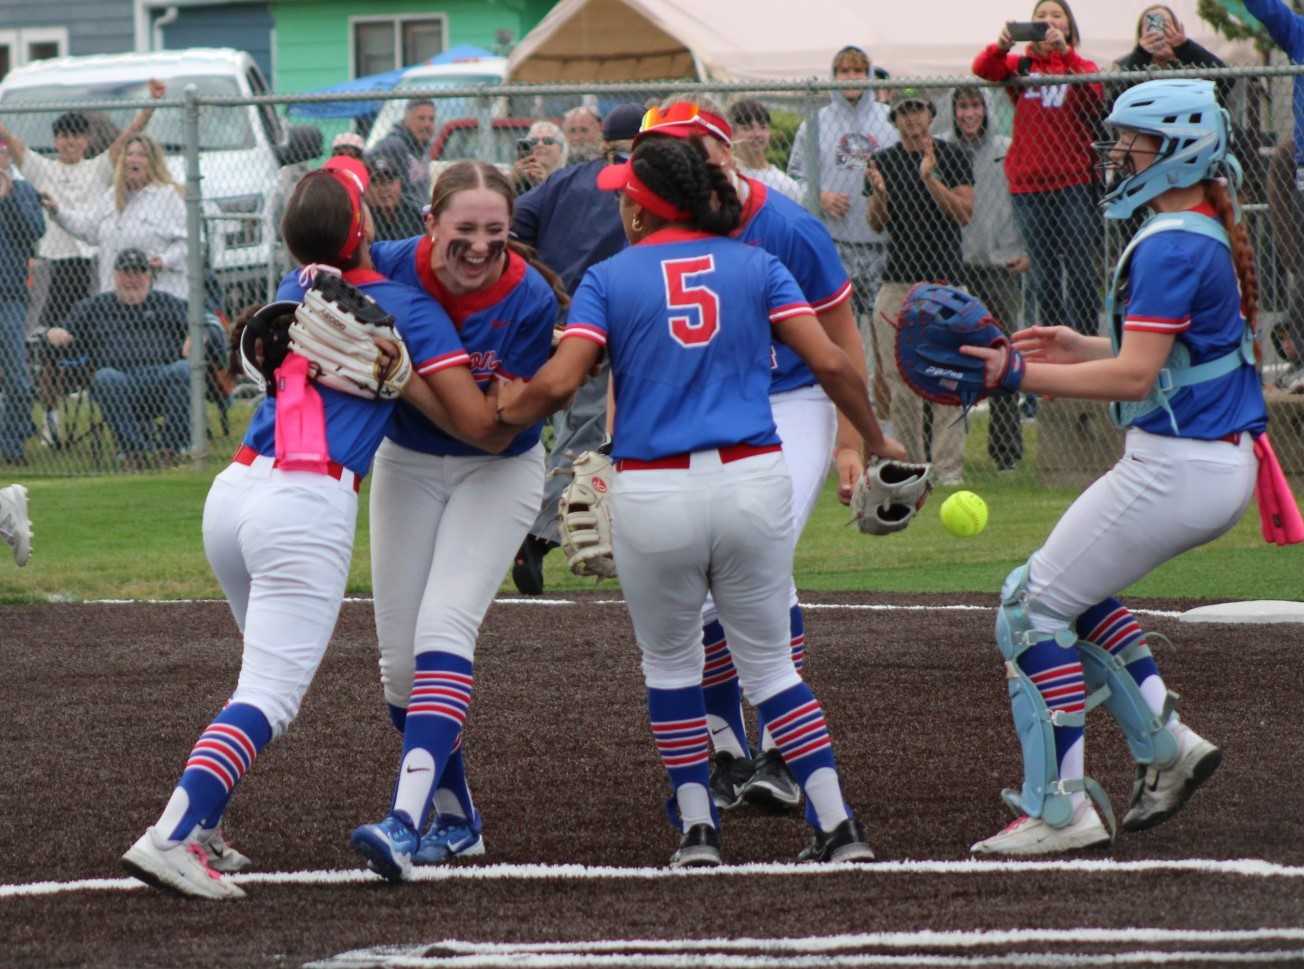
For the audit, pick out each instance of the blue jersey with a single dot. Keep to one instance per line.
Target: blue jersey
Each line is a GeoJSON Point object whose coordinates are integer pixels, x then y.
{"type": "Point", "coordinates": [506, 328]}
{"type": "Point", "coordinates": [686, 317]}
{"type": "Point", "coordinates": [1185, 284]}
{"type": "Point", "coordinates": [356, 426]}
{"type": "Point", "coordinates": [798, 240]}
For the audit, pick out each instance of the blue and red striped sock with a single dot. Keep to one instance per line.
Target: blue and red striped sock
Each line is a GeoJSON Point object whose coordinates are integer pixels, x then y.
{"type": "Point", "coordinates": [1057, 674]}
{"type": "Point", "coordinates": [1111, 626]}
{"type": "Point", "coordinates": [221, 756]}
{"type": "Point", "coordinates": [722, 695]}
{"type": "Point", "coordinates": [797, 644]}
{"type": "Point", "coordinates": [437, 708]}
{"type": "Point", "coordinates": [453, 796]}
{"type": "Point", "coordinates": [678, 719]}
{"type": "Point", "coordinates": [801, 735]}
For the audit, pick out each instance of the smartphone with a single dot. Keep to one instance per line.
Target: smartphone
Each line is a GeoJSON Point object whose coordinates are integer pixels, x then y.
{"type": "Point", "coordinates": [523, 148]}
{"type": "Point", "coordinates": [1155, 22]}
{"type": "Point", "coordinates": [1027, 30]}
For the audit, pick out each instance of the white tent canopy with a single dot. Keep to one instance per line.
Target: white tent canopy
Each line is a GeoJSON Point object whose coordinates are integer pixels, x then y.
{"type": "Point", "coordinates": [758, 40]}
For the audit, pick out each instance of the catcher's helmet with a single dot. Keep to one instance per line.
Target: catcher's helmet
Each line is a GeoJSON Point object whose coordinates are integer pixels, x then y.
{"type": "Point", "coordinates": [1193, 132]}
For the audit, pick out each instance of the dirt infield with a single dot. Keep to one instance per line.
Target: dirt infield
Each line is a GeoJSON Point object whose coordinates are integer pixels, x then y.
{"type": "Point", "coordinates": [101, 704]}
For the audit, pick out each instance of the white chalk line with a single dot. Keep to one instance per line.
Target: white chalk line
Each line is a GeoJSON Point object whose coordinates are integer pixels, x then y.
{"type": "Point", "coordinates": [553, 603]}
{"type": "Point", "coordinates": [1244, 867]}
{"type": "Point", "coordinates": [833, 950]}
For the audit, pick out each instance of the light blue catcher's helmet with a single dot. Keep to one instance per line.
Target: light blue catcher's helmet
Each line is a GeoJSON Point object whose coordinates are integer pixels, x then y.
{"type": "Point", "coordinates": [1193, 131]}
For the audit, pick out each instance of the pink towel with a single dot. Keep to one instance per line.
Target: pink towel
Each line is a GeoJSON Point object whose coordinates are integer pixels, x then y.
{"type": "Point", "coordinates": [1278, 513]}
{"type": "Point", "coordinates": [300, 419]}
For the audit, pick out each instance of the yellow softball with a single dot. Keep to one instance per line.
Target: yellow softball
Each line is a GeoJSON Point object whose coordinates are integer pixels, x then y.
{"type": "Point", "coordinates": [964, 514]}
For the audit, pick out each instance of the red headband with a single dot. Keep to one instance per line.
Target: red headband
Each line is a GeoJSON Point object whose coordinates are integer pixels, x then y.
{"type": "Point", "coordinates": [683, 119]}
{"type": "Point", "coordinates": [352, 175]}
{"type": "Point", "coordinates": [621, 178]}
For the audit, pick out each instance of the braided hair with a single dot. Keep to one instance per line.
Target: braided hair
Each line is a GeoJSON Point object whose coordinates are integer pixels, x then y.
{"type": "Point", "coordinates": [677, 170]}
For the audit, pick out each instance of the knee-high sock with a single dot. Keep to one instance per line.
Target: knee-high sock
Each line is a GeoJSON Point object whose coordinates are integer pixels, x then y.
{"type": "Point", "coordinates": [437, 708]}
{"type": "Point", "coordinates": [678, 719]}
{"type": "Point", "coordinates": [722, 695]}
{"type": "Point", "coordinates": [453, 796]}
{"type": "Point", "coordinates": [1111, 626]}
{"type": "Point", "coordinates": [1057, 674]}
{"type": "Point", "coordinates": [796, 721]}
{"type": "Point", "coordinates": [797, 643]}
{"type": "Point", "coordinates": [223, 754]}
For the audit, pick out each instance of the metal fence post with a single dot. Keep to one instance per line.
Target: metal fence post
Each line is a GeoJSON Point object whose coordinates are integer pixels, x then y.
{"type": "Point", "coordinates": [811, 150]}
{"type": "Point", "coordinates": [195, 273]}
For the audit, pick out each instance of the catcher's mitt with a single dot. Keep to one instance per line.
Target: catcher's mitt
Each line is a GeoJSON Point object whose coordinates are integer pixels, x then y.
{"type": "Point", "coordinates": [889, 494]}
{"type": "Point", "coordinates": [585, 516]}
{"type": "Point", "coordinates": [265, 341]}
{"type": "Point", "coordinates": [334, 328]}
{"type": "Point", "coordinates": [934, 322]}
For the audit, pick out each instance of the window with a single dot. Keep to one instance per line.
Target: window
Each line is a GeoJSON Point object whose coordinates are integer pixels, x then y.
{"type": "Point", "coordinates": [28, 44]}
{"type": "Point", "coordinates": [384, 43]}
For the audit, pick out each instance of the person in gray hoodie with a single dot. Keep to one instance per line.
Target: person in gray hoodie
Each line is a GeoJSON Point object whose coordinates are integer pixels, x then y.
{"type": "Point", "coordinates": [995, 257]}
{"type": "Point", "coordinates": [851, 128]}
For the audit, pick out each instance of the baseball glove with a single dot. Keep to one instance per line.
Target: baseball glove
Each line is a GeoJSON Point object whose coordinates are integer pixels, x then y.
{"type": "Point", "coordinates": [334, 328]}
{"type": "Point", "coordinates": [265, 341]}
{"type": "Point", "coordinates": [585, 523]}
{"type": "Point", "coordinates": [889, 494]}
{"type": "Point", "coordinates": [934, 323]}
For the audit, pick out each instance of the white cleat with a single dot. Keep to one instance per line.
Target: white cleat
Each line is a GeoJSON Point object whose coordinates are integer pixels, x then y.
{"type": "Point", "coordinates": [221, 856]}
{"type": "Point", "coordinates": [15, 526]}
{"type": "Point", "coordinates": [1160, 792]}
{"type": "Point", "coordinates": [1033, 836]}
{"type": "Point", "coordinates": [181, 869]}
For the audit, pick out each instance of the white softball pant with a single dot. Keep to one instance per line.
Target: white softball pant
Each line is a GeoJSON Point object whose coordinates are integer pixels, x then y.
{"type": "Point", "coordinates": [1165, 496]}
{"type": "Point", "coordinates": [721, 527]}
{"type": "Point", "coordinates": [808, 424]}
{"type": "Point", "coordinates": [444, 531]}
{"type": "Point", "coordinates": [279, 543]}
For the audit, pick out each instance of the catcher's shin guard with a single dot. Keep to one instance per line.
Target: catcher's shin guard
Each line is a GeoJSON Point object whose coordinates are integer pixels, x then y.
{"type": "Point", "coordinates": [1149, 735]}
{"type": "Point", "coordinates": [1043, 795]}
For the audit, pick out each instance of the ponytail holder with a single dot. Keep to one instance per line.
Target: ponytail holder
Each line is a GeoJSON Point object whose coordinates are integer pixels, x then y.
{"type": "Point", "coordinates": [309, 272]}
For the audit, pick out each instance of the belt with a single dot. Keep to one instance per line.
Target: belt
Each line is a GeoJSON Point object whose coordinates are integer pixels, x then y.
{"type": "Point", "coordinates": [247, 456]}
{"type": "Point", "coordinates": [734, 452]}
{"type": "Point", "coordinates": [1234, 438]}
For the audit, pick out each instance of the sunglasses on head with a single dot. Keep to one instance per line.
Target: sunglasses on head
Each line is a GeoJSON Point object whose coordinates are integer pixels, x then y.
{"type": "Point", "coordinates": [680, 112]}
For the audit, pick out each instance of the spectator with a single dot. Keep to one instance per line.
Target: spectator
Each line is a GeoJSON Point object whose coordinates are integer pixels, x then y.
{"type": "Point", "coordinates": [75, 182]}
{"type": "Point", "coordinates": [395, 216]}
{"type": "Point", "coordinates": [1161, 41]}
{"type": "Point", "coordinates": [1286, 213]}
{"type": "Point", "coordinates": [349, 144]}
{"type": "Point", "coordinates": [582, 127]}
{"type": "Point", "coordinates": [994, 255]}
{"type": "Point", "coordinates": [544, 151]}
{"type": "Point", "coordinates": [882, 95]}
{"type": "Point", "coordinates": [1051, 166]}
{"type": "Point", "coordinates": [144, 211]}
{"type": "Point", "coordinates": [920, 194]}
{"type": "Point", "coordinates": [21, 225]}
{"type": "Point", "coordinates": [408, 147]}
{"type": "Point", "coordinates": [751, 121]}
{"type": "Point", "coordinates": [573, 225]}
{"type": "Point", "coordinates": [851, 129]}
{"type": "Point", "coordinates": [136, 340]}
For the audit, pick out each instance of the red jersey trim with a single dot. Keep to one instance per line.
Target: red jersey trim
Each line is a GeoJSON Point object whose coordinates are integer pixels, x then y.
{"type": "Point", "coordinates": [1157, 324]}
{"type": "Point", "coordinates": [360, 277]}
{"type": "Point", "coordinates": [789, 311]}
{"type": "Point", "coordinates": [674, 233]}
{"type": "Point", "coordinates": [457, 358]}
{"type": "Point", "coordinates": [758, 192]}
{"type": "Point", "coordinates": [837, 299]}
{"type": "Point", "coordinates": [1204, 208]}
{"type": "Point", "coordinates": [460, 306]}
{"type": "Point", "coordinates": [586, 331]}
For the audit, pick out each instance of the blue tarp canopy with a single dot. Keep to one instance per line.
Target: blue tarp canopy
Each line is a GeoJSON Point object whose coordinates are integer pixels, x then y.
{"type": "Point", "coordinates": [376, 82]}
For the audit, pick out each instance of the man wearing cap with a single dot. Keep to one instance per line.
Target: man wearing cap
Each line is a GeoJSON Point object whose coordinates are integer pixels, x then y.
{"type": "Point", "coordinates": [21, 224]}
{"type": "Point", "coordinates": [407, 146]}
{"type": "Point", "coordinates": [349, 144]}
{"type": "Point", "coordinates": [135, 340]}
{"type": "Point", "coordinates": [76, 183]}
{"type": "Point", "coordinates": [920, 192]}
{"type": "Point", "coordinates": [573, 225]}
{"type": "Point", "coordinates": [395, 217]}
{"type": "Point", "coordinates": [852, 127]}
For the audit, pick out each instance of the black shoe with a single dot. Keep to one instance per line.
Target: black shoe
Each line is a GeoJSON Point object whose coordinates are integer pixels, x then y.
{"type": "Point", "coordinates": [729, 774]}
{"type": "Point", "coordinates": [527, 570]}
{"type": "Point", "coordinates": [846, 842]}
{"type": "Point", "coordinates": [772, 785]}
{"type": "Point", "coordinates": [699, 848]}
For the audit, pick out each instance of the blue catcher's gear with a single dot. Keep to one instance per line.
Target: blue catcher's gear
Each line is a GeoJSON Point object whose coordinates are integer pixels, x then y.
{"type": "Point", "coordinates": [1043, 795]}
{"type": "Point", "coordinates": [934, 323]}
{"type": "Point", "coordinates": [1193, 131]}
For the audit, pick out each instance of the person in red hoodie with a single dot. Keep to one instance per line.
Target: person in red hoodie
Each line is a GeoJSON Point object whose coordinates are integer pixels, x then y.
{"type": "Point", "coordinates": [1050, 165]}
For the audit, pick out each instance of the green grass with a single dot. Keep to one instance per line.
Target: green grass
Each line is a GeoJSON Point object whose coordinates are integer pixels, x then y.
{"type": "Point", "coordinates": [138, 536]}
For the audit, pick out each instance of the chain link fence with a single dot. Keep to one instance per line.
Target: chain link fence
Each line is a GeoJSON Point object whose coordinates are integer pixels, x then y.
{"type": "Point", "coordinates": [117, 293]}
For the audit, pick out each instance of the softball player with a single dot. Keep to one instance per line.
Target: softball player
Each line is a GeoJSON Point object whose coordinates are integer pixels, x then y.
{"type": "Point", "coordinates": [447, 518]}
{"type": "Point", "coordinates": [278, 532]}
{"type": "Point", "coordinates": [812, 432]}
{"type": "Point", "coordinates": [1180, 360]}
{"type": "Point", "coordinates": [702, 499]}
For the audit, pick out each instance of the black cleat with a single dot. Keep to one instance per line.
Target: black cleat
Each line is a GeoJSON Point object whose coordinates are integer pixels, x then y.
{"type": "Point", "coordinates": [527, 570]}
{"type": "Point", "coordinates": [729, 774]}
{"type": "Point", "coordinates": [700, 848]}
{"type": "Point", "coordinates": [846, 842]}
{"type": "Point", "coordinates": [772, 785]}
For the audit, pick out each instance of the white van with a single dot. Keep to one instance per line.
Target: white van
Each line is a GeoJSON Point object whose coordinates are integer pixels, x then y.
{"type": "Point", "coordinates": [241, 148]}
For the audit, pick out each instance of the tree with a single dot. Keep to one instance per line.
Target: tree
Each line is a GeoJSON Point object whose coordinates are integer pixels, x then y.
{"type": "Point", "coordinates": [1233, 21]}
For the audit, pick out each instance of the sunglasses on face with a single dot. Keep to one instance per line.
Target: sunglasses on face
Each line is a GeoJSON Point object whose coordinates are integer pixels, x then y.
{"type": "Point", "coordinates": [545, 140]}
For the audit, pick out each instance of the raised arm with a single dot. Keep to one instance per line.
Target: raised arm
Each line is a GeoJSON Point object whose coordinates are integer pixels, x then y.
{"type": "Point", "coordinates": [17, 147]}
{"type": "Point", "coordinates": [1284, 25]}
{"type": "Point", "coordinates": [156, 90]}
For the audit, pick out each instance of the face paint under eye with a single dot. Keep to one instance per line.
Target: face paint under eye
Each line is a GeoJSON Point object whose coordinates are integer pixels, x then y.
{"type": "Point", "coordinates": [458, 249]}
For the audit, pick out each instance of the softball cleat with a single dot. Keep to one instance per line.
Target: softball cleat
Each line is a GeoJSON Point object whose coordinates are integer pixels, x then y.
{"type": "Point", "coordinates": [1033, 836]}
{"type": "Point", "coordinates": [221, 856]}
{"type": "Point", "coordinates": [699, 848]}
{"type": "Point", "coordinates": [15, 525]}
{"type": "Point", "coordinates": [181, 869]}
{"type": "Point", "coordinates": [1160, 792]}
{"type": "Point", "coordinates": [388, 847]}
{"type": "Point", "coordinates": [846, 842]}
{"type": "Point", "coordinates": [450, 838]}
